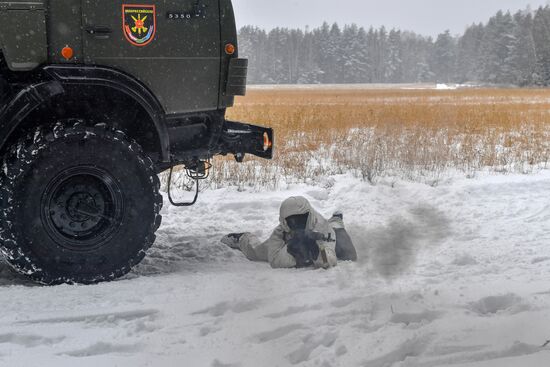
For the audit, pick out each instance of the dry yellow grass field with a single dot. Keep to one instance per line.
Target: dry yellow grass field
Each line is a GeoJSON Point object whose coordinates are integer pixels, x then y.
{"type": "Point", "coordinates": [411, 134]}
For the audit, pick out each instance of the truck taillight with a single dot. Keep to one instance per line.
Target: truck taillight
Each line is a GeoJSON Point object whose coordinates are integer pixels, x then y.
{"type": "Point", "coordinates": [267, 143]}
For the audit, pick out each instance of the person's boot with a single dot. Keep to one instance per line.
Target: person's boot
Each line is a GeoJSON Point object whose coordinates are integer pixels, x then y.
{"type": "Point", "coordinates": [345, 250]}
{"type": "Point", "coordinates": [337, 220]}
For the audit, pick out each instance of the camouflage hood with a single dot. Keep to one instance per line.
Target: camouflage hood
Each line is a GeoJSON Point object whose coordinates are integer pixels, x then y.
{"type": "Point", "coordinates": [299, 205]}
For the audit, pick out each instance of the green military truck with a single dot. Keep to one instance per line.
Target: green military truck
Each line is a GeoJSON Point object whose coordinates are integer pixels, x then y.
{"type": "Point", "coordinates": [98, 98]}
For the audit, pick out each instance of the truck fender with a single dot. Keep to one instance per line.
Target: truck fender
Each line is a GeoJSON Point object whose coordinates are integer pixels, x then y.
{"type": "Point", "coordinates": [23, 104]}
{"type": "Point", "coordinates": [115, 79]}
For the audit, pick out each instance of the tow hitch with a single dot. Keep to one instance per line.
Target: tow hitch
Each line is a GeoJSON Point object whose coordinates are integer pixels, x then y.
{"type": "Point", "coordinates": [199, 170]}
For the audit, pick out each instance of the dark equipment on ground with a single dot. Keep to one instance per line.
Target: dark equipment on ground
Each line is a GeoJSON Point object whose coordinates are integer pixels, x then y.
{"type": "Point", "coordinates": [303, 246]}
{"type": "Point", "coordinates": [97, 98]}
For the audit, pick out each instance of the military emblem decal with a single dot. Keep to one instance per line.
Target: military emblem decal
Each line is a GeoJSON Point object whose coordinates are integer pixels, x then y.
{"type": "Point", "coordinates": [139, 23]}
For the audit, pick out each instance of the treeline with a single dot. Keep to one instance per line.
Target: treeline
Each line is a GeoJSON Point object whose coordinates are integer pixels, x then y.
{"type": "Point", "coordinates": [508, 49]}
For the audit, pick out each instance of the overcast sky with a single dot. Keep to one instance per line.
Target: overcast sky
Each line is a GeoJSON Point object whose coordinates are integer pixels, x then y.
{"type": "Point", "coordinates": [428, 17]}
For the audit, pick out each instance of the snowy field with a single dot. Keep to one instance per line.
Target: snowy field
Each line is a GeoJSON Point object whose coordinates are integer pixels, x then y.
{"type": "Point", "coordinates": [358, 86]}
{"type": "Point", "coordinates": [457, 274]}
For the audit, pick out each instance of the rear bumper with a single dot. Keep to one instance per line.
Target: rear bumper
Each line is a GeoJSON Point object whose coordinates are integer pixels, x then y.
{"type": "Point", "coordinates": [239, 139]}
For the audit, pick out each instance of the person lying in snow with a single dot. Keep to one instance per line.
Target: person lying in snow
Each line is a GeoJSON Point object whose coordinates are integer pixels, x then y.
{"type": "Point", "coordinates": [303, 238]}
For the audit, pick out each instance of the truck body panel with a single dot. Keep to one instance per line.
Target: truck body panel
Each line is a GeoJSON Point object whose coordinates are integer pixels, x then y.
{"type": "Point", "coordinates": [181, 62]}
{"type": "Point", "coordinates": [25, 45]}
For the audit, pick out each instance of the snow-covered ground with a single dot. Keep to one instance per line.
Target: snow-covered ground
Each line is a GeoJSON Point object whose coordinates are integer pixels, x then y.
{"type": "Point", "coordinates": [457, 274]}
{"type": "Point", "coordinates": [360, 86]}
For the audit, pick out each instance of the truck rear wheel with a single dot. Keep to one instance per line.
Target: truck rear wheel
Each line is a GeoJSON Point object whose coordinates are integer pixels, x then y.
{"type": "Point", "coordinates": [79, 205]}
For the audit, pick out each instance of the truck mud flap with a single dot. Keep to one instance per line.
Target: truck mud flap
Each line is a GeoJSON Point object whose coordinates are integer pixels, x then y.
{"type": "Point", "coordinates": [240, 139]}
{"type": "Point", "coordinates": [236, 77]}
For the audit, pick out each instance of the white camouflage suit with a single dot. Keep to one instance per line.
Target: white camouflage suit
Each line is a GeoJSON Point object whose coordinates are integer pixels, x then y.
{"type": "Point", "coordinates": [274, 250]}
